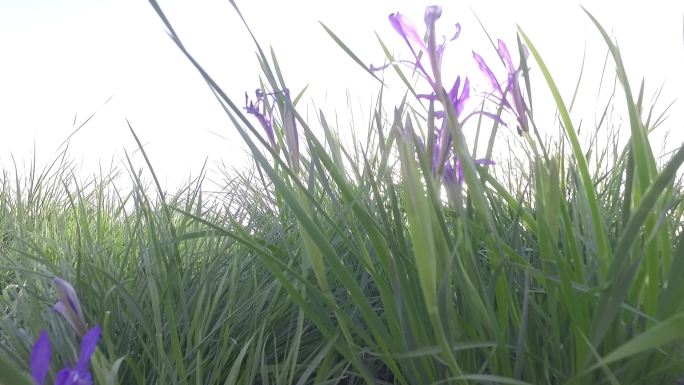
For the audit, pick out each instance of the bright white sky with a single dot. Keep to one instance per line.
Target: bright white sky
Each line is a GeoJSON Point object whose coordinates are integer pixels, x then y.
{"type": "Point", "coordinates": [65, 58]}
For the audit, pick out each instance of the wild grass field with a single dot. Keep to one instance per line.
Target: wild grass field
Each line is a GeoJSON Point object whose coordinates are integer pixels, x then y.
{"type": "Point", "coordinates": [408, 259]}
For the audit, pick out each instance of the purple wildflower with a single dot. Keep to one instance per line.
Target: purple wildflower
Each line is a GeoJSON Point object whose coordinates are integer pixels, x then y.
{"type": "Point", "coordinates": [408, 31]}
{"type": "Point", "coordinates": [512, 97]}
{"type": "Point", "coordinates": [458, 101]}
{"type": "Point", "coordinates": [445, 163]}
{"type": "Point", "coordinates": [442, 151]}
{"type": "Point", "coordinates": [453, 176]}
{"type": "Point", "coordinates": [453, 172]}
{"type": "Point", "coordinates": [69, 306]}
{"type": "Point", "coordinates": [79, 374]}
{"type": "Point", "coordinates": [442, 146]}
{"type": "Point", "coordinates": [259, 110]}
{"type": "Point", "coordinates": [265, 117]}
{"type": "Point", "coordinates": [457, 96]}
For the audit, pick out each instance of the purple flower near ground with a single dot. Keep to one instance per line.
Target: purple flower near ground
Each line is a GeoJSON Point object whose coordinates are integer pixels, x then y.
{"type": "Point", "coordinates": [512, 97]}
{"type": "Point", "coordinates": [40, 358]}
{"type": "Point", "coordinates": [79, 374]}
{"type": "Point", "coordinates": [69, 306]}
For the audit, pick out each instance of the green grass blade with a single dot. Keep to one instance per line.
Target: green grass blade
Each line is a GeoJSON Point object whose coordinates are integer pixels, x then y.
{"type": "Point", "coordinates": [602, 244]}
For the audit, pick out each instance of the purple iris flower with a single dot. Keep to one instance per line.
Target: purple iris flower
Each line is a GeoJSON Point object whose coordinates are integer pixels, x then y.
{"type": "Point", "coordinates": [512, 97]}
{"type": "Point", "coordinates": [458, 101]}
{"type": "Point", "coordinates": [442, 146]}
{"type": "Point", "coordinates": [408, 31]}
{"type": "Point", "coordinates": [453, 177]}
{"type": "Point", "coordinates": [442, 151]}
{"type": "Point", "coordinates": [263, 115]}
{"type": "Point", "coordinates": [69, 306]}
{"type": "Point", "coordinates": [79, 374]}
{"type": "Point", "coordinates": [446, 164]}
{"type": "Point", "coordinates": [453, 172]}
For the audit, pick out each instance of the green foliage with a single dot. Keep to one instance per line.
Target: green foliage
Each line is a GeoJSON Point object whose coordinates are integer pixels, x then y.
{"type": "Point", "coordinates": [352, 268]}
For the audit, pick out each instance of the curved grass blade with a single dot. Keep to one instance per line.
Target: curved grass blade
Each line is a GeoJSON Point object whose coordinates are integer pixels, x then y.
{"type": "Point", "coordinates": [602, 244]}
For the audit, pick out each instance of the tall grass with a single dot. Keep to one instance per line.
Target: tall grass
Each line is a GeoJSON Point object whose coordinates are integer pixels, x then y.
{"type": "Point", "coordinates": [352, 264]}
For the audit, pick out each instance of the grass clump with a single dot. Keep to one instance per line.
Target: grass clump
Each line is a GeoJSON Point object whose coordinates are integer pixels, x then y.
{"type": "Point", "coordinates": [403, 261]}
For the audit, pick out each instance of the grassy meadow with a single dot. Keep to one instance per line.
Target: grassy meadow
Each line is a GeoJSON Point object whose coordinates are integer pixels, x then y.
{"type": "Point", "coordinates": [410, 259]}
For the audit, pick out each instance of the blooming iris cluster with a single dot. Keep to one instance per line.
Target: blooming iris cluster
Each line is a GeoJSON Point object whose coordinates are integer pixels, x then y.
{"type": "Point", "coordinates": [444, 162]}
{"type": "Point", "coordinates": [511, 98]}
{"type": "Point", "coordinates": [70, 308]}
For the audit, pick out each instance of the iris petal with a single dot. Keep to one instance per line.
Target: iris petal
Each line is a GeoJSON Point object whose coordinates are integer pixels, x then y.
{"type": "Point", "coordinates": [405, 27]}
{"type": "Point", "coordinates": [490, 75]}
{"type": "Point", "coordinates": [69, 376]}
{"type": "Point", "coordinates": [457, 32]}
{"type": "Point", "coordinates": [68, 295]}
{"type": "Point", "coordinates": [88, 345]}
{"type": "Point", "coordinates": [512, 99]}
{"type": "Point", "coordinates": [68, 314]}
{"type": "Point", "coordinates": [68, 305]}
{"type": "Point", "coordinates": [40, 358]}
{"type": "Point", "coordinates": [63, 376]}
{"type": "Point", "coordinates": [253, 109]}
{"type": "Point", "coordinates": [505, 56]}
{"type": "Point", "coordinates": [453, 93]}
{"type": "Point", "coordinates": [465, 94]}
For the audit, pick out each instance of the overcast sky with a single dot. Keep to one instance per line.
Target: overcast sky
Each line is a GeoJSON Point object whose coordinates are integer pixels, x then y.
{"type": "Point", "coordinates": [62, 59]}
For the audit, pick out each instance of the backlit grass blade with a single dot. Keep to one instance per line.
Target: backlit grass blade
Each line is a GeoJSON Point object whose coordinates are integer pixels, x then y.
{"type": "Point", "coordinates": [622, 269]}
{"type": "Point", "coordinates": [349, 51]}
{"type": "Point", "coordinates": [602, 244]}
{"type": "Point", "coordinates": [644, 161]}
